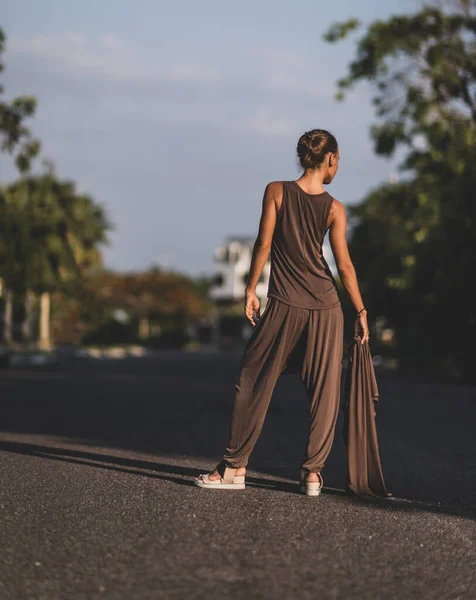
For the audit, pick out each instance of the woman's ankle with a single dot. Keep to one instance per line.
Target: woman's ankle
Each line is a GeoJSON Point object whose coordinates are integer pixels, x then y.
{"type": "Point", "coordinates": [220, 468]}
{"type": "Point", "coordinates": [311, 476]}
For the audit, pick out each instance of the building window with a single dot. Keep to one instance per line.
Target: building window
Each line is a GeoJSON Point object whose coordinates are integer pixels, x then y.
{"type": "Point", "coordinates": [218, 280]}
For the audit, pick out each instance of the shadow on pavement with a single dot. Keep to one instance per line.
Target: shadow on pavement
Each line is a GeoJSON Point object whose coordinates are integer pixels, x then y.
{"type": "Point", "coordinates": [183, 475]}
{"type": "Point", "coordinates": [179, 405]}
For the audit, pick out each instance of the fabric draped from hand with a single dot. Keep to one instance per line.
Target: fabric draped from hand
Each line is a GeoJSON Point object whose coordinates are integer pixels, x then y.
{"type": "Point", "coordinates": [364, 471]}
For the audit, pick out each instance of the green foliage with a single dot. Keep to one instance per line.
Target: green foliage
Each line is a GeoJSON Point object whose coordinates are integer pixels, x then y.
{"type": "Point", "coordinates": [49, 234]}
{"type": "Point", "coordinates": [14, 136]}
{"type": "Point", "coordinates": [167, 301]}
{"type": "Point", "coordinates": [414, 243]}
{"type": "Point", "coordinates": [423, 67]}
{"type": "Point", "coordinates": [339, 31]}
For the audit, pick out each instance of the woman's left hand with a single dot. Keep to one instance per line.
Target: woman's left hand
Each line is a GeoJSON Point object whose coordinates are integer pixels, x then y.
{"type": "Point", "coordinates": [252, 305]}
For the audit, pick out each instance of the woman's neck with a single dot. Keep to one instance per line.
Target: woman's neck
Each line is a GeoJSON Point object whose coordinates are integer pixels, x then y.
{"type": "Point", "coordinates": [311, 181]}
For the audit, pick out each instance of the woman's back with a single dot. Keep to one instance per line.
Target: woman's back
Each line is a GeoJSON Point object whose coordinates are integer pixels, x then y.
{"type": "Point", "coordinates": [300, 275]}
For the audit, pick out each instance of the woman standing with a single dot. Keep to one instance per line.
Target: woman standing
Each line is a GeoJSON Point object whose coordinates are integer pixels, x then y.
{"type": "Point", "coordinates": [302, 325]}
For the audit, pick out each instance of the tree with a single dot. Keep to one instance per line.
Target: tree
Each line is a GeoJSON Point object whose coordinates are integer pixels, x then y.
{"type": "Point", "coordinates": [171, 299]}
{"type": "Point", "coordinates": [48, 239]}
{"type": "Point", "coordinates": [422, 231]}
{"type": "Point", "coordinates": [15, 138]}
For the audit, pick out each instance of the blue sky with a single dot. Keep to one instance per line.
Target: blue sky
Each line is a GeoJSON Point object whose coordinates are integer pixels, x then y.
{"type": "Point", "coordinates": [175, 116]}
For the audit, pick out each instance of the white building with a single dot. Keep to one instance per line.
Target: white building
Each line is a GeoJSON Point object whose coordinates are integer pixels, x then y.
{"type": "Point", "coordinates": [231, 271]}
{"type": "Point", "coordinates": [329, 256]}
{"type": "Point", "coordinates": [232, 266]}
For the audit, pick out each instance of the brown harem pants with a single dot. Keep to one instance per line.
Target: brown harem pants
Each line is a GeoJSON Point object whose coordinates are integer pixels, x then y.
{"type": "Point", "coordinates": [292, 339]}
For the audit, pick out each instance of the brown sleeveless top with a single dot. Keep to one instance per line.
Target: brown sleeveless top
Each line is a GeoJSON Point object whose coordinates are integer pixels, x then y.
{"type": "Point", "coordinates": [300, 275]}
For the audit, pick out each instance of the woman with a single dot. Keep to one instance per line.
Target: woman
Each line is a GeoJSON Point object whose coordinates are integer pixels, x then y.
{"type": "Point", "coordinates": [301, 329]}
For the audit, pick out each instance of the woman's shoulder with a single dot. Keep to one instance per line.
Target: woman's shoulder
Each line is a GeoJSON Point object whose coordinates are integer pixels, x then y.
{"type": "Point", "coordinates": [336, 210]}
{"type": "Point", "coordinates": [276, 186]}
{"type": "Point", "coordinates": [336, 204]}
{"type": "Point", "coordinates": [275, 189]}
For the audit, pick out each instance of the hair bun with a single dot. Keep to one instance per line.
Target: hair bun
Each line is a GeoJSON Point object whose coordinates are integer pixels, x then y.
{"type": "Point", "coordinates": [313, 147]}
{"type": "Point", "coordinates": [316, 142]}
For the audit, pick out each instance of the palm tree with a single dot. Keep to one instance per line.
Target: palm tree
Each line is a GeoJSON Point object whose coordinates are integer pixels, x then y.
{"type": "Point", "coordinates": [49, 239]}
{"type": "Point", "coordinates": [16, 140]}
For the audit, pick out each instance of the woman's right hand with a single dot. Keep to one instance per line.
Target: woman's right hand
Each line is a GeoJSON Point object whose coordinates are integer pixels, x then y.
{"type": "Point", "coordinates": [361, 327]}
{"type": "Point", "coordinates": [252, 305]}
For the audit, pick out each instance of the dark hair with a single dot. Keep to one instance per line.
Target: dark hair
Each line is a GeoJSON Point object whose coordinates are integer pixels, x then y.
{"type": "Point", "coordinates": [313, 146]}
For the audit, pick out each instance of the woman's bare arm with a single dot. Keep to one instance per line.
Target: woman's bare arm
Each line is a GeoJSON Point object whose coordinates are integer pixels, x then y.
{"type": "Point", "coordinates": [344, 264]}
{"type": "Point", "coordinates": [262, 246]}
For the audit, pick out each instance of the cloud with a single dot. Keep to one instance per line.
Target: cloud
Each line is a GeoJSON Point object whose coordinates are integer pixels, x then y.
{"type": "Point", "coordinates": [109, 58]}
{"type": "Point", "coordinates": [289, 71]}
{"type": "Point", "coordinates": [106, 57]}
{"type": "Point", "coordinates": [98, 82]}
{"type": "Point", "coordinates": [288, 58]}
{"type": "Point", "coordinates": [265, 123]}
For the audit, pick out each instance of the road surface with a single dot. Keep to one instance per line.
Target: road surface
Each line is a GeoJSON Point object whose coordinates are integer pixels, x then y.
{"type": "Point", "coordinates": [97, 460]}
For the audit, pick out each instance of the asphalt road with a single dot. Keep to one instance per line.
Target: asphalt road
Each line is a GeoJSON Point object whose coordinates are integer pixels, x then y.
{"type": "Point", "coordinates": [97, 460]}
